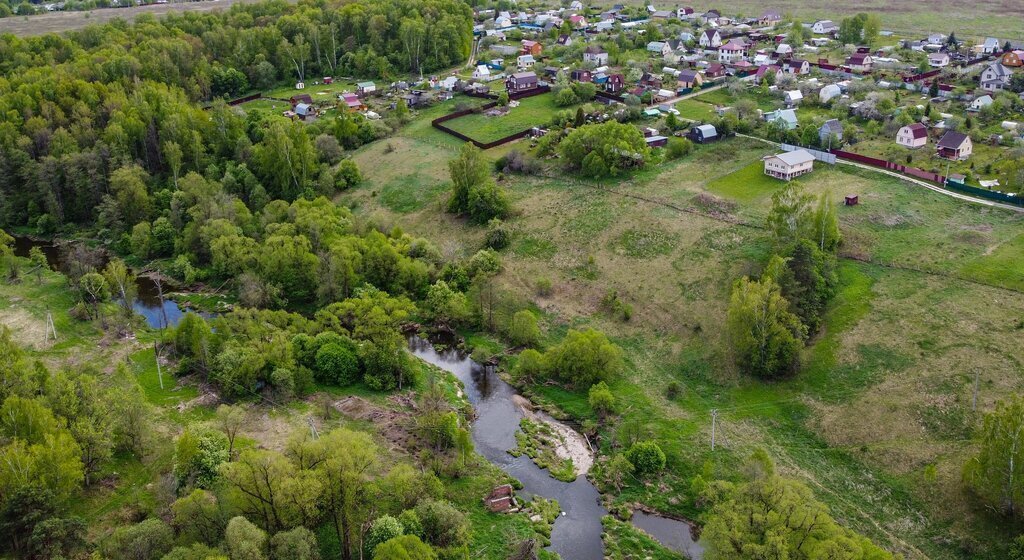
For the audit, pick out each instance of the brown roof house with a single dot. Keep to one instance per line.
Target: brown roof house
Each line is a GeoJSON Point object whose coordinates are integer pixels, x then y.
{"type": "Point", "coordinates": [955, 145]}
{"type": "Point", "coordinates": [521, 81]}
{"type": "Point", "coordinates": [912, 136]}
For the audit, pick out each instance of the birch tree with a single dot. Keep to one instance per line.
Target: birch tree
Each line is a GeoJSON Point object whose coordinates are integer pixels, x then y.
{"type": "Point", "coordinates": [996, 474]}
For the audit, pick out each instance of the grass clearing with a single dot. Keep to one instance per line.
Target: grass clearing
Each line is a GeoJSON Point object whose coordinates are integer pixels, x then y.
{"type": "Point", "coordinates": [532, 111]}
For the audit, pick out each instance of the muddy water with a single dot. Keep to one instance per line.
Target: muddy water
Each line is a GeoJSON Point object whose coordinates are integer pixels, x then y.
{"type": "Point", "coordinates": [576, 534]}
{"type": "Point", "coordinates": [672, 534]}
{"type": "Point", "coordinates": [147, 303]}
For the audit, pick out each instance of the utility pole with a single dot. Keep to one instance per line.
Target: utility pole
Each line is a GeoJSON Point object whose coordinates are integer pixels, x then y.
{"type": "Point", "coordinates": [714, 421]}
{"type": "Point", "coordinates": [974, 401]}
{"type": "Point", "coordinates": [50, 328]}
{"type": "Point", "coordinates": [160, 293]}
{"type": "Point", "coordinates": [159, 372]}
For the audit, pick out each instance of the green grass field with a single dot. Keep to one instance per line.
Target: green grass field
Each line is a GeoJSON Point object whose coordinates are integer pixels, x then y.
{"type": "Point", "coordinates": [531, 112]}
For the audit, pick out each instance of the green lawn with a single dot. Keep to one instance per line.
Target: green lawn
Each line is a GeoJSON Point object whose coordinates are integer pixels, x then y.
{"type": "Point", "coordinates": [749, 184]}
{"type": "Point", "coordinates": [531, 112]}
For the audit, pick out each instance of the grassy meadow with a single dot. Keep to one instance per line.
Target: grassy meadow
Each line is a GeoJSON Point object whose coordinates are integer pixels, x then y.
{"type": "Point", "coordinates": [531, 112]}
{"type": "Point", "coordinates": [879, 420]}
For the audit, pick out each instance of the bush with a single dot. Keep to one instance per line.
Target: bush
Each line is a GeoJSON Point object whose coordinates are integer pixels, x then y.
{"type": "Point", "coordinates": [486, 202]}
{"type": "Point", "coordinates": [336, 365]}
{"type": "Point", "coordinates": [646, 457]}
{"type": "Point", "coordinates": [498, 235]}
{"type": "Point", "coordinates": [566, 97]}
{"type": "Point", "coordinates": [544, 288]}
{"type": "Point", "coordinates": [443, 525]}
{"type": "Point", "coordinates": [523, 330]}
{"type": "Point", "coordinates": [383, 529]}
{"type": "Point", "coordinates": [601, 398]}
{"type": "Point", "coordinates": [198, 454]}
{"type": "Point", "coordinates": [147, 540]}
{"type": "Point", "coordinates": [678, 147]}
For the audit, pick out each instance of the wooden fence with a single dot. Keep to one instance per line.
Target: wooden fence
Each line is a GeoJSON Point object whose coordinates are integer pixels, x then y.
{"type": "Point", "coordinates": [438, 123]}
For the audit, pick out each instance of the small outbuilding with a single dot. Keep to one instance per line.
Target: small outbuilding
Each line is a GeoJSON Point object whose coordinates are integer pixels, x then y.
{"type": "Point", "coordinates": [703, 134]}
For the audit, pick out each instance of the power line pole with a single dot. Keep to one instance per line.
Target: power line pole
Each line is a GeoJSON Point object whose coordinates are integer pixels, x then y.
{"type": "Point", "coordinates": [714, 422]}
{"type": "Point", "coordinates": [50, 328]}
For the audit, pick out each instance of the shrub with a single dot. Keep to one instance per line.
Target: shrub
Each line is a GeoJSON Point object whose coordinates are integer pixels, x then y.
{"type": "Point", "coordinates": [601, 398]}
{"type": "Point", "coordinates": [523, 330]}
{"type": "Point", "coordinates": [498, 235]}
{"type": "Point", "coordinates": [383, 529]}
{"type": "Point", "coordinates": [646, 457]}
{"type": "Point", "coordinates": [336, 364]}
{"type": "Point", "coordinates": [678, 147]}
{"type": "Point", "coordinates": [544, 287]}
{"type": "Point", "coordinates": [443, 525]}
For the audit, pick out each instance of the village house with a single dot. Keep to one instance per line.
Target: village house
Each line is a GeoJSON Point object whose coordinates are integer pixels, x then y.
{"type": "Point", "coordinates": [565, 40]}
{"type": "Point", "coordinates": [860, 62]}
{"type": "Point", "coordinates": [774, 70]}
{"type": "Point", "coordinates": [301, 98]}
{"type": "Point", "coordinates": [938, 60]}
{"type": "Point", "coordinates": [912, 136]}
{"type": "Point", "coordinates": [689, 79]}
{"type": "Point", "coordinates": [581, 75]}
{"type": "Point", "coordinates": [482, 72]}
{"type": "Point", "coordinates": [714, 70]}
{"type": "Point", "coordinates": [662, 14]}
{"type": "Point", "coordinates": [685, 12]}
{"type": "Point", "coordinates": [577, 21]}
{"type": "Point", "coordinates": [615, 83]}
{"type": "Point", "coordinates": [731, 52]}
{"type": "Point", "coordinates": [769, 18]}
{"type": "Point", "coordinates": [525, 61]}
{"type": "Point", "coordinates": [831, 132]}
{"type": "Point", "coordinates": [789, 165]}
{"type": "Point", "coordinates": [351, 101]}
{"type": "Point", "coordinates": [703, 134]}
{"type": "Point", "coordinates": [990, 46]}
{"type": "Point", "coordinates": [303, 110]}
{"type": "Point", "coordinates": [521, 81]}
{"type": "Point", "coordinates": [365, 88]}
{"type": "Point", "coordinates": [1012, 59]}
{"type": "Point", "coordinates": [995, 77]}
{"type": "Point", "coordinates": [796, 66]}
{"type": "Point", "coordinates": [533, 48]}
{"type": "Point", "coordinates": [824, 27]}
{"type": "Point", "coordinates": [979, 103]}
{"type": "Point", "coordinates": [710, 39]}
{"type": "Point", "coordinates": [785, 118]}
{"type": "Point", "coordinates": [595, 55]}
{"type": "Point", "coordinates": [955, 145]}
{"type": "Point", "coordinates": [793, 97]}
{"type": "Point", "coordinates": [659, 48]}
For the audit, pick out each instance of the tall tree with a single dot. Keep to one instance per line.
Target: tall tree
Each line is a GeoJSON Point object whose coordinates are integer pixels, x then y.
{"type": "Point", "coordinates": [996, 474]}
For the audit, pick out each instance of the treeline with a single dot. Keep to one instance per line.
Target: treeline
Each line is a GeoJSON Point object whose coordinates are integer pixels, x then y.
{"type": "Point", "coordinates": [771, 317]}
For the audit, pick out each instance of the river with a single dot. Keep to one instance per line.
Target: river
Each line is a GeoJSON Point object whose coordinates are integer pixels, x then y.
{"type": "Point", "coordinates": [576, 534]}
{"type": "Point", "coordinates": [147, 301]}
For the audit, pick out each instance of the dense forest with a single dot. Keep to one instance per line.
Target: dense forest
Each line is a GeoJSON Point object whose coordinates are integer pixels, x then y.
{"type": "Point", "coordinates": [86, 112]}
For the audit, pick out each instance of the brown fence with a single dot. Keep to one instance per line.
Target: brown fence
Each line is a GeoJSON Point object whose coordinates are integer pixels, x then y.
{"type": "Point", "coordinates": [883, 164]}
{"type": "Point", "coordinates": [438, 123]}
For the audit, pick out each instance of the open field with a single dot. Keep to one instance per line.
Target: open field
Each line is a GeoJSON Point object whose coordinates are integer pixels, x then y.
{"type": "Point", "coordinates": [531, 112]}
{"type": "Point", "coordinates": [879, 420]}
{"type": "Point", "coordinates": [976, 19]}
{"type": "Point", "coordinates": [58, 22]}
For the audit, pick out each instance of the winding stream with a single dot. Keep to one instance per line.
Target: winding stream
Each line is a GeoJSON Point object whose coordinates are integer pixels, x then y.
{"type": "Point", "coordinates": [147, 302]}
{"type": "Point", "coordinates": [576, 535]}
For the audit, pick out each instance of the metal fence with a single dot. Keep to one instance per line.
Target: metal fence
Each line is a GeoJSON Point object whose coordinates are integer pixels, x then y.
{"type": "Point", "coordinates": [823, 157]}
